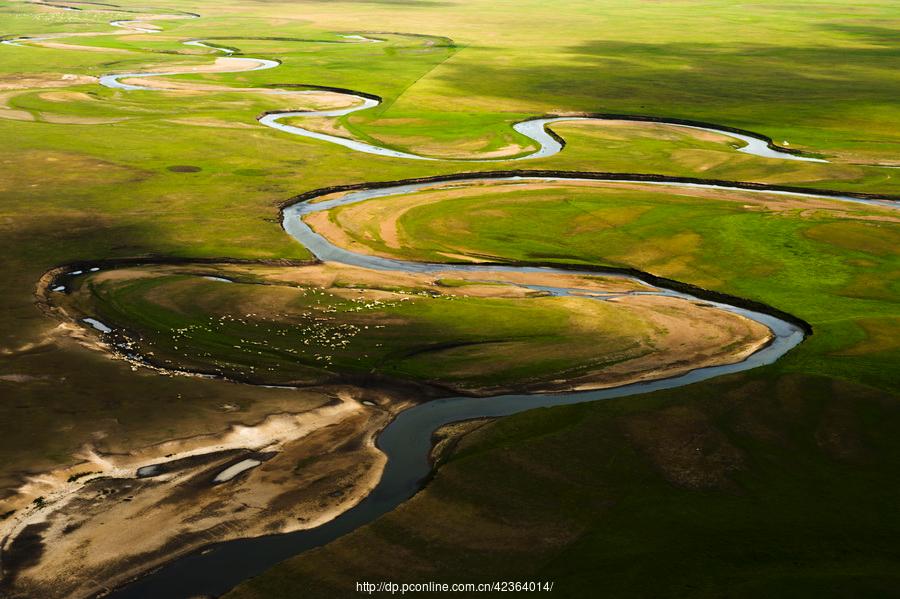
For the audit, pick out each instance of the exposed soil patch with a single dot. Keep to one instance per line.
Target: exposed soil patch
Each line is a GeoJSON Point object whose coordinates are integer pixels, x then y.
{"type": "Point", "coordinates": [75, 536]}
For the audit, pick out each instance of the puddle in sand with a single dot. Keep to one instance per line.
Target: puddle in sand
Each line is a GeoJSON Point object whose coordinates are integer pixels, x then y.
{"type": "Point", "coordinates": [148, 471]}
{"type": "Point", "coordinates": [97, 325]}
{"type": "Point", "coordinates": [234, 470]}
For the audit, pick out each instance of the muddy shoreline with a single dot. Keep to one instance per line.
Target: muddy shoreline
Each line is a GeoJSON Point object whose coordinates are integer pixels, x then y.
{"type": "Point", "coordinates": [196, 476]}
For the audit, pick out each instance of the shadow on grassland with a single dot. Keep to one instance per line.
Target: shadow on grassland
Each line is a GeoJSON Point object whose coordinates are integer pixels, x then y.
{"type": "Point", "coordinates": [743, 486]}
{"type": "Point", "coordinates": [780, 84]}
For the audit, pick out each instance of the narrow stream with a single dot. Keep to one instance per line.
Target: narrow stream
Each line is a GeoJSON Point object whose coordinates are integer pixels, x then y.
{"type": "Point", "coordinates": [536, 129]}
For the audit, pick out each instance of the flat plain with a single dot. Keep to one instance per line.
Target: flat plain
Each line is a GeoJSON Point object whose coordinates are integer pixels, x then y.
{"type": "Point", "coordinates": [220, 341]}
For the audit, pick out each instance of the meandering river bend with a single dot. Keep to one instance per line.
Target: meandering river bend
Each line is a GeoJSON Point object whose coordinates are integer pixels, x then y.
{"type": "Point", "coordinates": [407, 439]}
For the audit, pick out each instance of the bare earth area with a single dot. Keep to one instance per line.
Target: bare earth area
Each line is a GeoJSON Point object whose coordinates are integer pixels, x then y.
{"type": "Point", "coordinates": [288, 472]}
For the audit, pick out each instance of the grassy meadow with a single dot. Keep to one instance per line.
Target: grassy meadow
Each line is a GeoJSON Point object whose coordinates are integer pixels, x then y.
{"type": "Point", "coordinates": [790, 490]}
{"type": "Point", "coordinates": [272, 332]}
{"type": "Point", "coordinates": [834, 264]}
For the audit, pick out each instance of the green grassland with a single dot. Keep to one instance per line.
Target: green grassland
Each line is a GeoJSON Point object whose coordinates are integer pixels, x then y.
{"type": "Point", "coordinates": [768, 483]}
{"type": "Point", "coordinates": [285, 334]}
{"type": "Point", "coordinates": [835, 266]}
{"type": "Point", "coordinates": [799, 516]}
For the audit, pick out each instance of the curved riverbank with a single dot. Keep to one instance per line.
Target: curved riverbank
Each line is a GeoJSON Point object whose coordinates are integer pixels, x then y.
{"type": "Point", "coordinates": [704, 125]}
{"type": "Point", "coordinates": [876, 198]}
{"type": "Point", "coordinates": [407, 443]}
{"type": "Point", "coordinates": [538, 130]}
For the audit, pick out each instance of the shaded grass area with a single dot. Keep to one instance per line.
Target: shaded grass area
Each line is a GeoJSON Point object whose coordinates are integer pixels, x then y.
{"type": "Point", "coordinates": [300, 335]}
{"type": "Point", "coordinates": [741, 487]}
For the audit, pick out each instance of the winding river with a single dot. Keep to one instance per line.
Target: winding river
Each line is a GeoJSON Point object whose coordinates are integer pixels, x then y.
{"type": "Point", "coordinates": [407, 439]}
{"type": "Point", "coordinates": [537, 130]}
